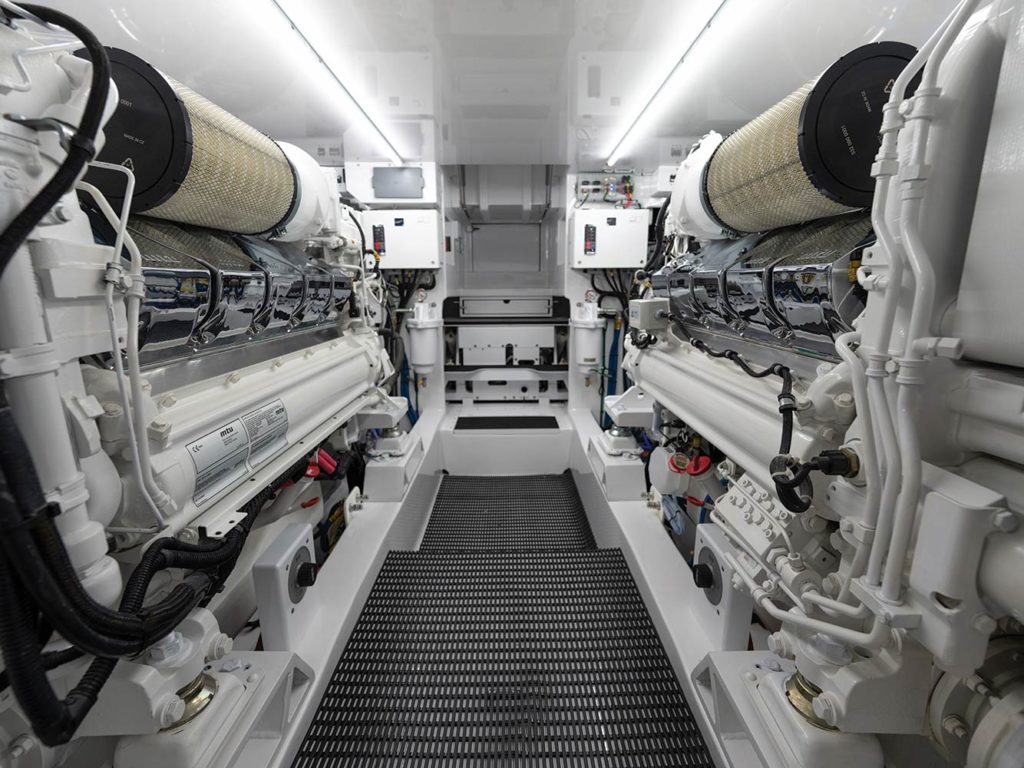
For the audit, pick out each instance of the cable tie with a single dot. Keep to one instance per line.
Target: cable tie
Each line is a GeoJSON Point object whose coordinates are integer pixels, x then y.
{"type": "Point", "coordinates": [78, 141]}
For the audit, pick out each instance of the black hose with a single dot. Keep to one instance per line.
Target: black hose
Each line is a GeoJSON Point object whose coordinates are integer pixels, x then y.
{"type": "Point", "coordinates": [54, 721]}
{"type": "Point", "coordinates": [32, 541]}
{"type": "Point", "coordinates": [362, 237]}
{"type": "Point", "coordinates": [82, 146]}
{"type": "Point", "coordinates": [787, 487]}
{"type": "Point", "coordinates": [50, 660]}
{"type": "Point", "coordinates": [659, 237]}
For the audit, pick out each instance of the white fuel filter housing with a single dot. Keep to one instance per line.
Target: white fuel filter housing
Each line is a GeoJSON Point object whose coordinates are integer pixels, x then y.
{"type": "Point", "coordinates": [424, 337]}
{"type": "Point", "coordinates": [588, 325]}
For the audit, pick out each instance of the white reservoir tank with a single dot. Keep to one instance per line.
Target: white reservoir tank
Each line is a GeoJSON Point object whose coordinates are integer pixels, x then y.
{"type": "Point", "coordinates": [587, 340]}
{"type": "Point", "coordinates": [424, 337]}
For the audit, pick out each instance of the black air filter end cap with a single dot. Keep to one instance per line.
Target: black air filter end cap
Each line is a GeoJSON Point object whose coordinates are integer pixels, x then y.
{"type": "Point", "coordinates": [841, 117]}
{"type": "Point", "coordinates": [149, 133]}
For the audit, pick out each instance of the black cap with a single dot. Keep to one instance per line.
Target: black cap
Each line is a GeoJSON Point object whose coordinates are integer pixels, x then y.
{"type": "Point", "coordinates": [150, 133]}
{"type": "Point", "coordinates": [841, 118]}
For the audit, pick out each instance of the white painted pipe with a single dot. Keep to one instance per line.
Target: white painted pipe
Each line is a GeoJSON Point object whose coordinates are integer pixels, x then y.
{"type": "Point", "coordinates": [860, 611]}
{"type": "Point", "coordinates": [878, 636]}
{"type": "Point", "coordinates": [891, 485]}
{"type": "Point", "coordinates": [921, 311]}
{"type": "Point", "coordinates": [739, 541]}
{"type": "Point", "coordinates": [137, 468]}
{"type": "Point", "coordinates": [134, 413]}
{"type": "Point", "coordinates": [868, 457]}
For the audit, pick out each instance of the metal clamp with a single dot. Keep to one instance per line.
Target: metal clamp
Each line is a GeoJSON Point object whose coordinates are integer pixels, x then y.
{"type": "Point", "coordinates": [28, 361]}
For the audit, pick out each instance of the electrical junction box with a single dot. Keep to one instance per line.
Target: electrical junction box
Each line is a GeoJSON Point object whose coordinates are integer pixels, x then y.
{"type": "Point", "coordinates": [609, 238]}
{"type": "Point", "coordinates": [404, 238]}
{"type": "Point", "coordinates": [649, 314]}
{"type": "Point", "coordinates": [281, 577]}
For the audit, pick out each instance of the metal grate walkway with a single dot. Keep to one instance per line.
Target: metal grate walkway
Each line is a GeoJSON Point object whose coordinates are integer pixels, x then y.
{"type": "Point", "coordinates": [540, 512]}
{"type": "Point", "coordinates": [503, 658]}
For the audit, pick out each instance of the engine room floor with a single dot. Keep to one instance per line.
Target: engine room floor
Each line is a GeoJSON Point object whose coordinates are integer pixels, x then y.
{"type": "Point", "coordinates": [507, 639]}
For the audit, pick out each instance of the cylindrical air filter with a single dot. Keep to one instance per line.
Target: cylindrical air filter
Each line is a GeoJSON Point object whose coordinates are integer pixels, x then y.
{"type": "Point", "coordinates": [810, 155]}
{"type": "Point", "coordinates": [193, 162]}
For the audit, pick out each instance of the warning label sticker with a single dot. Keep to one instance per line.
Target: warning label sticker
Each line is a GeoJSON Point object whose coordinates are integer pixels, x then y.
{"type": "Point", "coordinates": [226, 455]}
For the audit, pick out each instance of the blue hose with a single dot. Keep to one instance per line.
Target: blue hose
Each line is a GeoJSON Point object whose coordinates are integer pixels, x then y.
{"type": "Point", "coordinates": [613, 368]}
{"type": "Point", "coordinates": [403, 389]}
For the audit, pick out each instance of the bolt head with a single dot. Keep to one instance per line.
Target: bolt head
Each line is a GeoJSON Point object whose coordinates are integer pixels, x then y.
{"type": "Point", "coordinates": [220, 646]}
{"type": "Point", "coordinates": [171, 710]}
{"type": "Point", "coordinates": [823, 708]}
{"type": "Point", "coordinates": [954, 725]}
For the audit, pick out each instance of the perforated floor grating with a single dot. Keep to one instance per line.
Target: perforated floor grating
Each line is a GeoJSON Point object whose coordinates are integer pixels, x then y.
{"type": "Point", "coordinates": [539, 512]}
{"type": "Point", "coordinates": [503, 658]}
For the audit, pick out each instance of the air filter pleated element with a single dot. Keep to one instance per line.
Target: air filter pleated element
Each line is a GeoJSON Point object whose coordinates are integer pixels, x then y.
{"type": "Point", "coordinates": [810, 155]}
{"type": "Point", "coordinates": [194, 162]}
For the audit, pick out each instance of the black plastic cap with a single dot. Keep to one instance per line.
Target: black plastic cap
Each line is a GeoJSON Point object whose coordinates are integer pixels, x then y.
{"type": "Point", "coordinates": [305, 575]}
{"type": "Point", "coordinates": [840, 120]}
{"type": "Point", "coordinates": [703, 576]}
{"type": "Point", "coordinates": [150, 133]}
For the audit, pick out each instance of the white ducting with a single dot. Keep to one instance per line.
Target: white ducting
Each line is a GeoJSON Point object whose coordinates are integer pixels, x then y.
{"type": "Point", "coordinates": [689, 212]}
{"type": "Point", "coordinates": [312, 212]}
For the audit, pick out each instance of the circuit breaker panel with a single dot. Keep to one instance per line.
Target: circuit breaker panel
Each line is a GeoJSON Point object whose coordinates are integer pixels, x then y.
{"type": "Point", "coordinates": [405, 239]}
{"type": "Point", "coordinates": [609, 238]}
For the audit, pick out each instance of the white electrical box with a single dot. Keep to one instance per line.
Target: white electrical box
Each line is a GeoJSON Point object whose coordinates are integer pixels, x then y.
{"type": "Point", "coordinates": [609, 238]}
{"type": "Point", "coordinates": [405, 239]}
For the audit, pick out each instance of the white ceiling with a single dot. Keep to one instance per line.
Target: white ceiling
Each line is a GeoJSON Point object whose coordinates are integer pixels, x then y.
{"type": "Point", "coordinates": [500, 81]}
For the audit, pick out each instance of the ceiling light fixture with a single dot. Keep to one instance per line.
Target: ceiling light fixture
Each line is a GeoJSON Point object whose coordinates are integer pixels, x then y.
{"type": "Point", "coordinates": [625, 141]}
{"type": "Point", "coordinates": [385, 143]}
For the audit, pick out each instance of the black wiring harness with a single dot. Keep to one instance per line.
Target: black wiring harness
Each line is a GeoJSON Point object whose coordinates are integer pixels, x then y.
{"type": "Point", "coordinates": [790, 476]}
{"type": "Point", "coordinates": [82, 144]}
{"type": "Point", "coordinates": [40, 592]}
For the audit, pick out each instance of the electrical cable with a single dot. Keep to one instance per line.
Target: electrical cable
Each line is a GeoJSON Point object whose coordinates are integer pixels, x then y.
{"type": "Point", "coordinates": [81, 146]}
{"type": "Point", "coordinates": [362, 236]}
{"type": "Point", "coordinates": [795, 498]}
{"type": "Point", "coordinates": [657, 258]}
{"type": "Point", "coordinates": [36, 575]}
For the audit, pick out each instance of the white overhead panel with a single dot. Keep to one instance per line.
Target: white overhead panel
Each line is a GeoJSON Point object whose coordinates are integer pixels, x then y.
{"type": "Point", "coordinates": [410, 185]}
{"type": "Point", "coordinates": [609, 238]}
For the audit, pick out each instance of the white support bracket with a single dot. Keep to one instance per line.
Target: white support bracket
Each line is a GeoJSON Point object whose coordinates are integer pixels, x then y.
{"type": "Point", "coordinates": [633, 408]}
